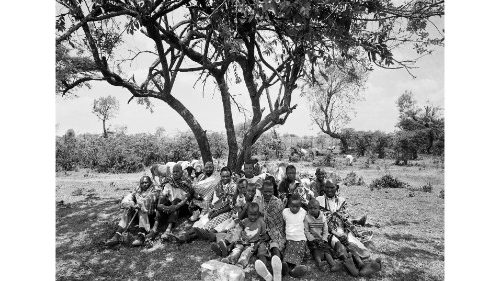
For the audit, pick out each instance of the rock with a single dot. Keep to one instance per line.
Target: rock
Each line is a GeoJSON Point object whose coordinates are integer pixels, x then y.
{"type": "Point", "coordinates": [214, 270]}
{"type": "Point", "coordinates": [92, 215]}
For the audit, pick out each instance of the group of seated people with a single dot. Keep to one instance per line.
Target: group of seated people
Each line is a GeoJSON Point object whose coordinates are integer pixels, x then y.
{"type": "Point", "coordinates": [249, 214]}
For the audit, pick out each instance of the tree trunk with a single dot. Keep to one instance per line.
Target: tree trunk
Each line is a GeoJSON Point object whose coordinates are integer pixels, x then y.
{"type": "Point", "coordinates": [199, 133]}
{"type": "Point", "coordinates": [229, 124]}
{"type": "Point", "coordinates": [344, 145]}
{"type": "Point", "coordinates": [343, 141]}
{"type": "Point", "coordinates": [104, 134]}
{"type": "Point", "coordinates": [430, 143]}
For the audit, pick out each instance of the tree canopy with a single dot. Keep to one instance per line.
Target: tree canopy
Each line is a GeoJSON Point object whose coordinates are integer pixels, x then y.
{"type": "Point", "coordinates": [268, 45]}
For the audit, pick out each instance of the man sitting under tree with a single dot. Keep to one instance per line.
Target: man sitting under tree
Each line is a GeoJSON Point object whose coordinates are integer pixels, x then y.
{"type": "Point", "coordinates": [140, 203]}
{"type": "Point", "coordinates": [172, 204]}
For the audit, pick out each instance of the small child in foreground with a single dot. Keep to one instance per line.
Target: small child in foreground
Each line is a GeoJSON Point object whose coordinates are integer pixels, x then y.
{"type": "Point", "coordinates": [252, 231]}
{"type": "Point", "coordinates": [316, 231]}
{"type": "Point", "coordinates": [295, 246]}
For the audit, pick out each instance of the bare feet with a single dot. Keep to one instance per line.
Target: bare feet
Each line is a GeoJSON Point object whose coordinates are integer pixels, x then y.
{"type": "Point", "coordinates": [371, 267]}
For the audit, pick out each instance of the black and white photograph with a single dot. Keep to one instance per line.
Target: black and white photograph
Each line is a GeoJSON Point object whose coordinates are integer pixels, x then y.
{"type": "Point", "coordinates": [249, 140]}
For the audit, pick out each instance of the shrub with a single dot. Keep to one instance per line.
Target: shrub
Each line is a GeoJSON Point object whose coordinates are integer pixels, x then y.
{"type": "Point", "coordinates": [387, 181]}
{"type": "Point", "coordinates": [441, 194]}
{"type": "Point", "coordinates": [427, 188]}
{"type": "Point", "coordinates": [351, 179]}
{"type": "Point", "coordinates": [332, 176]}
{"type": "Point", "coordinates": [328, 160]}
{"type": "Point", "coordinates": [294, 158]}
{"type": "Point", "coordinates": [361, 181]}
{"type": "Point", "coordinates": [121, 152]}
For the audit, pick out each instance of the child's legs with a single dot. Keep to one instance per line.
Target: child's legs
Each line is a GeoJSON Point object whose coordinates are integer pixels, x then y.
{"type": "Point", "coordinates": [338, 250]}
{"type": "Point", "coordinates": [245, 255]}
{"type": "Point", "coordinates": [329, 258]}
{"type": "Point", "coordinates": [275, 251]}
{"type": "Point", "coordinates": [317, 255]}
{"type": "Point", "coordinates": [262, 253]}
{"type": "Point", "coordinates": [235, 253]}
{"type": "Point", "coordinates": [233, 234]}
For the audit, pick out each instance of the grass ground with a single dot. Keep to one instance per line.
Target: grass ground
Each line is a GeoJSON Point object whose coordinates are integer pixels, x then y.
{"type": "Point", "coordinates": [408, 231]}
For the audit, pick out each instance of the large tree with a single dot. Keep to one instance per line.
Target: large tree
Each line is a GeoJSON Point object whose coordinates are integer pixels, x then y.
{"type": "Point", "coordinates": [271, 44]}
{"type": "Point", "coordinates": [332, 97]}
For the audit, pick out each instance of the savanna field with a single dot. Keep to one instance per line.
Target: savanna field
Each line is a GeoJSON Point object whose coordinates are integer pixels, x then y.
{"type": "Point", "coordinates": [408, 226]}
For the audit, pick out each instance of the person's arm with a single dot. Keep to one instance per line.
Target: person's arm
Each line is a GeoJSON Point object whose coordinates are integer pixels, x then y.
{"type": "Point", "coordinates": [182, 202]}
{"type": "Point", "coordinates": [128, 201]}
{"type": "Point", "coordinates": [281, 187]}
{"type": "Point", "coordinates": [309, 235]}
{"type": "Point", "coordinates": [243, 213]}
{"type": "Point", "coordinates": [325, 230]}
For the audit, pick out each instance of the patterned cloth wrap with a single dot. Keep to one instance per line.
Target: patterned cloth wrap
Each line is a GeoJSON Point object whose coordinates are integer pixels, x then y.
{"type": "Point", "coordinates": [226, 199]}
{"type": "Point", "coordinates": [294, 251]}
{"type": "Point", "coordinates": [205, 189]}
{"type": "Point", "coordinates": [273, 217]}
{"type": "Point", "coordinates": [298, 188]}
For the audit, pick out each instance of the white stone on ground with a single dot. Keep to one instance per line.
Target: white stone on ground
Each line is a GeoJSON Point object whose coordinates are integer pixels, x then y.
{"type": "Point", "coordinates": [214, 270]}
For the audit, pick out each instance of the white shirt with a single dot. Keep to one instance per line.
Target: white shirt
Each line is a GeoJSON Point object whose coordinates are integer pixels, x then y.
{"type": "Point", "coordinates": [294, 224]}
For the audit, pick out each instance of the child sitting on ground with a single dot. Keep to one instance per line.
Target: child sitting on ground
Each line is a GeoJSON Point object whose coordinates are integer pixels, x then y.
{"type": "Point", "coordinates": [252, 232]}
{"type": "Point", "coordinates": [295, 238]}
{"type": "Point", "coordinates": [316, 231]}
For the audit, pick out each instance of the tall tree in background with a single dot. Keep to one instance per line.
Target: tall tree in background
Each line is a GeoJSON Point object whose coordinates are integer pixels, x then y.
{"type": "Point", "coordinates": [421, 127]}
{"type": "Point", "coordinates": [271, 44]}
{"type": "Point", "coordinates": [105, 108]}
{"type": "Point", "coordinates": [332, 97]}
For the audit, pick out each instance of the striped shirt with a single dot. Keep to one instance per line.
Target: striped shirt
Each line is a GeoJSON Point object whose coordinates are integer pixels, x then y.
{"type": "Point", "coordinates": [315, 228]}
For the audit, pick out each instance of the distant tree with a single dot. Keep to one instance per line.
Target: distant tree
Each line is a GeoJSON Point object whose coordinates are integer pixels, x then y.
{"type": "Point", "coordinates": [347, 139]}
{"type": "Point", "coordinates": [332, 96]}
{"type": "Point", "coordinates": [67, 155]}
{"type": "Point", "coordinates": [426, 124]}
{"type": "Point", "coordinates": [105, 108]}
{"type": "Point", "coordinates": [120, 129]}
{"type": "Point", "coordinates": [363, 142]}
{"type": "Point", "coordinates": [218, 144]}
{"type": "Point", "coordinates": [321, 141]}
{"type": "Point", "coordinates": [381, 141]}
{"type": "Point", "coordinates": [160, 131]}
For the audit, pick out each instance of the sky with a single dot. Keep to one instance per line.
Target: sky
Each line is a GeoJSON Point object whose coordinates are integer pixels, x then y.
{"type": "Point", "coordinates": [376, 111]}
